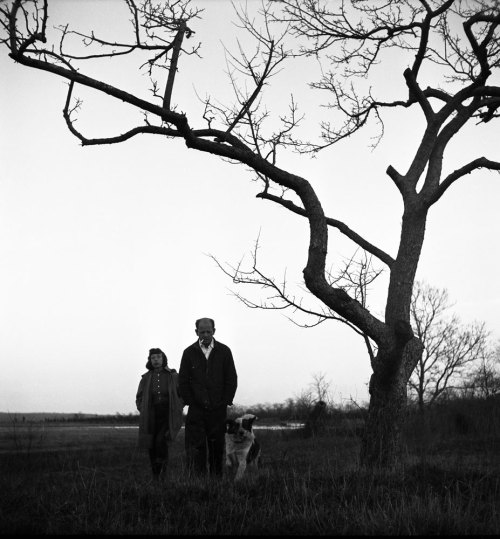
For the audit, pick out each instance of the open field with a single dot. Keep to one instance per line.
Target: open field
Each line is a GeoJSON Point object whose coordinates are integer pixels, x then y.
{"type": "Point", "coordinates": [86, 479]}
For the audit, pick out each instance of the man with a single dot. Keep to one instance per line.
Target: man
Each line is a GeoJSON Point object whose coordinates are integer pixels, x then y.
{"type": "Point", "coordinates": [207, 384]}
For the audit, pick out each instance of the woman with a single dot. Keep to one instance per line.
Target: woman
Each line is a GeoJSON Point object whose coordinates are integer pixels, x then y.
{"type": "Point", "coordinates": [160, 409]}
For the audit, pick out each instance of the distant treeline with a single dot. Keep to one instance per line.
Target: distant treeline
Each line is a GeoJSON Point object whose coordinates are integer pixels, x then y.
{"type": "Point", "coordinates": [296, 410]}
{"type": "Point", "coordinates": [129, 419]}
{"type": "Point", "coordinates": [290, 410]}
{"type": "Point", "coordinates": [462, 410]}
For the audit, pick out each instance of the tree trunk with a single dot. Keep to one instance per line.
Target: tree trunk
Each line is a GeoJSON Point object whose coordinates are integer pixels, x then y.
{"type": "Point", "coordinates": [381, 444]}
{"type": "Point", "coordinates": [421, 404]}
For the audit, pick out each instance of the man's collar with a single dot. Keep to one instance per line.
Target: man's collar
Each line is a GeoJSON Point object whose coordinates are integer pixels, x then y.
{"type": "Point", "coordinates": [211, 345]}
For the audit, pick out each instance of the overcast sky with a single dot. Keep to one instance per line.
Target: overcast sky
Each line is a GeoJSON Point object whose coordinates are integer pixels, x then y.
{"type": "Point", "coordinates": [104, 250]}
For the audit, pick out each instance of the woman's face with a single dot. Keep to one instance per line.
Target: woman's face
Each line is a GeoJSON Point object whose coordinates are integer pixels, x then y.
{"type": "Point", "coordinates": [156, 360]}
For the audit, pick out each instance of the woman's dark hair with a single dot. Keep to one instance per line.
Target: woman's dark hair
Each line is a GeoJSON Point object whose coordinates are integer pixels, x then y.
{"type": "Point", "coordinates": [152, 351]}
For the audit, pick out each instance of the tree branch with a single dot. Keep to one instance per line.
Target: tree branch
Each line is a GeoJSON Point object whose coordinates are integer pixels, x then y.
{"type": "Point", "coordinates": [418, 94]}
{"type": "Point", "coordinates": [355, 279]}
{"type": "Point", "coordinates": [260, 83]}
{"type": "Point", "coordinates": [339, 225]}
{"type": "Point", "coordinates": [480, 162]}
{"type": "Point", "coordinates": [145, 129]}
{"type": "Point", "coordinates": [176, 49]}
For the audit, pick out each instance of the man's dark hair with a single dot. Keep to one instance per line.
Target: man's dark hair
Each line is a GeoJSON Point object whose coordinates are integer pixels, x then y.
{"type": "Point", "coordinates": [197, 323]}
{"type": "Point", "coordinates": [152, 351]}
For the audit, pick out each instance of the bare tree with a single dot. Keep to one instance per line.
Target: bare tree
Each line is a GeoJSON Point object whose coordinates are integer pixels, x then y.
{"type": "Point", "coordinates": [459, 39]}
{"type": "Point", "coordinates": [312, 403]}
{"type": "Point", "coordinates": [484, 380]}
{"type": "Point", "coordinates": [320, 387]}
{"type": "Point", "coordinates": [450, 349]}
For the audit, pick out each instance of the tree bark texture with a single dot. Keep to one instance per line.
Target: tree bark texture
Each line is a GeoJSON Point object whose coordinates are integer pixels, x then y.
{"type": "Point", "coordinates": [381, 444]}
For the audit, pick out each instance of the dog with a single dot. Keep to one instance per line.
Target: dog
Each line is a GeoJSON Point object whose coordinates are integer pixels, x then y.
{"type": "Point", "coordinates": [242, 448]}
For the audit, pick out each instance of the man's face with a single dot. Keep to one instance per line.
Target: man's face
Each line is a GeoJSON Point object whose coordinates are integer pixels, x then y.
{"type": "Point", "coordinates": [156, 360]}
{"type": "Point", "coordinates": [205, 332]}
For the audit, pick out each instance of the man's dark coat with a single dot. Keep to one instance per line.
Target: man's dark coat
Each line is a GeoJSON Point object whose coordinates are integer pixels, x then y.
{"type": "Point", "coordinates": [207, 383]}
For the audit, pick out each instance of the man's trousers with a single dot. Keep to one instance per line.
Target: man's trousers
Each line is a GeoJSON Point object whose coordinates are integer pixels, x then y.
{"type": "Point", "coordinates": [205, 435]}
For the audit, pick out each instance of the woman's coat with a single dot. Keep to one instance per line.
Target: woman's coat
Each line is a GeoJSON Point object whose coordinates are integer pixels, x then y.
{"type": "Point", "coordinates": [144, 403]}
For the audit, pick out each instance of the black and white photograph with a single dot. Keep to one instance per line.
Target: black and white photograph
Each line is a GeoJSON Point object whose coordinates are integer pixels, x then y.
{"type": "Point", "coordinates": [249, 266]}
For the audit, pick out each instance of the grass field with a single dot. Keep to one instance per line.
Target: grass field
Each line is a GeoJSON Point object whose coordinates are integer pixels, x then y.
{"type": "Point", "coordinates": [79, 479]}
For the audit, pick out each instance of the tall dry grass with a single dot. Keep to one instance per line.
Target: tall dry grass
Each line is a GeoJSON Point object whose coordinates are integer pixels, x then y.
{"type": "Point", "coordinates": [102, 485]}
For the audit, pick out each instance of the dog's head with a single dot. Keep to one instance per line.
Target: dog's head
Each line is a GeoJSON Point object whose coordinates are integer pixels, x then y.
{"type": "Point", "coordinates": [241, 427]}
